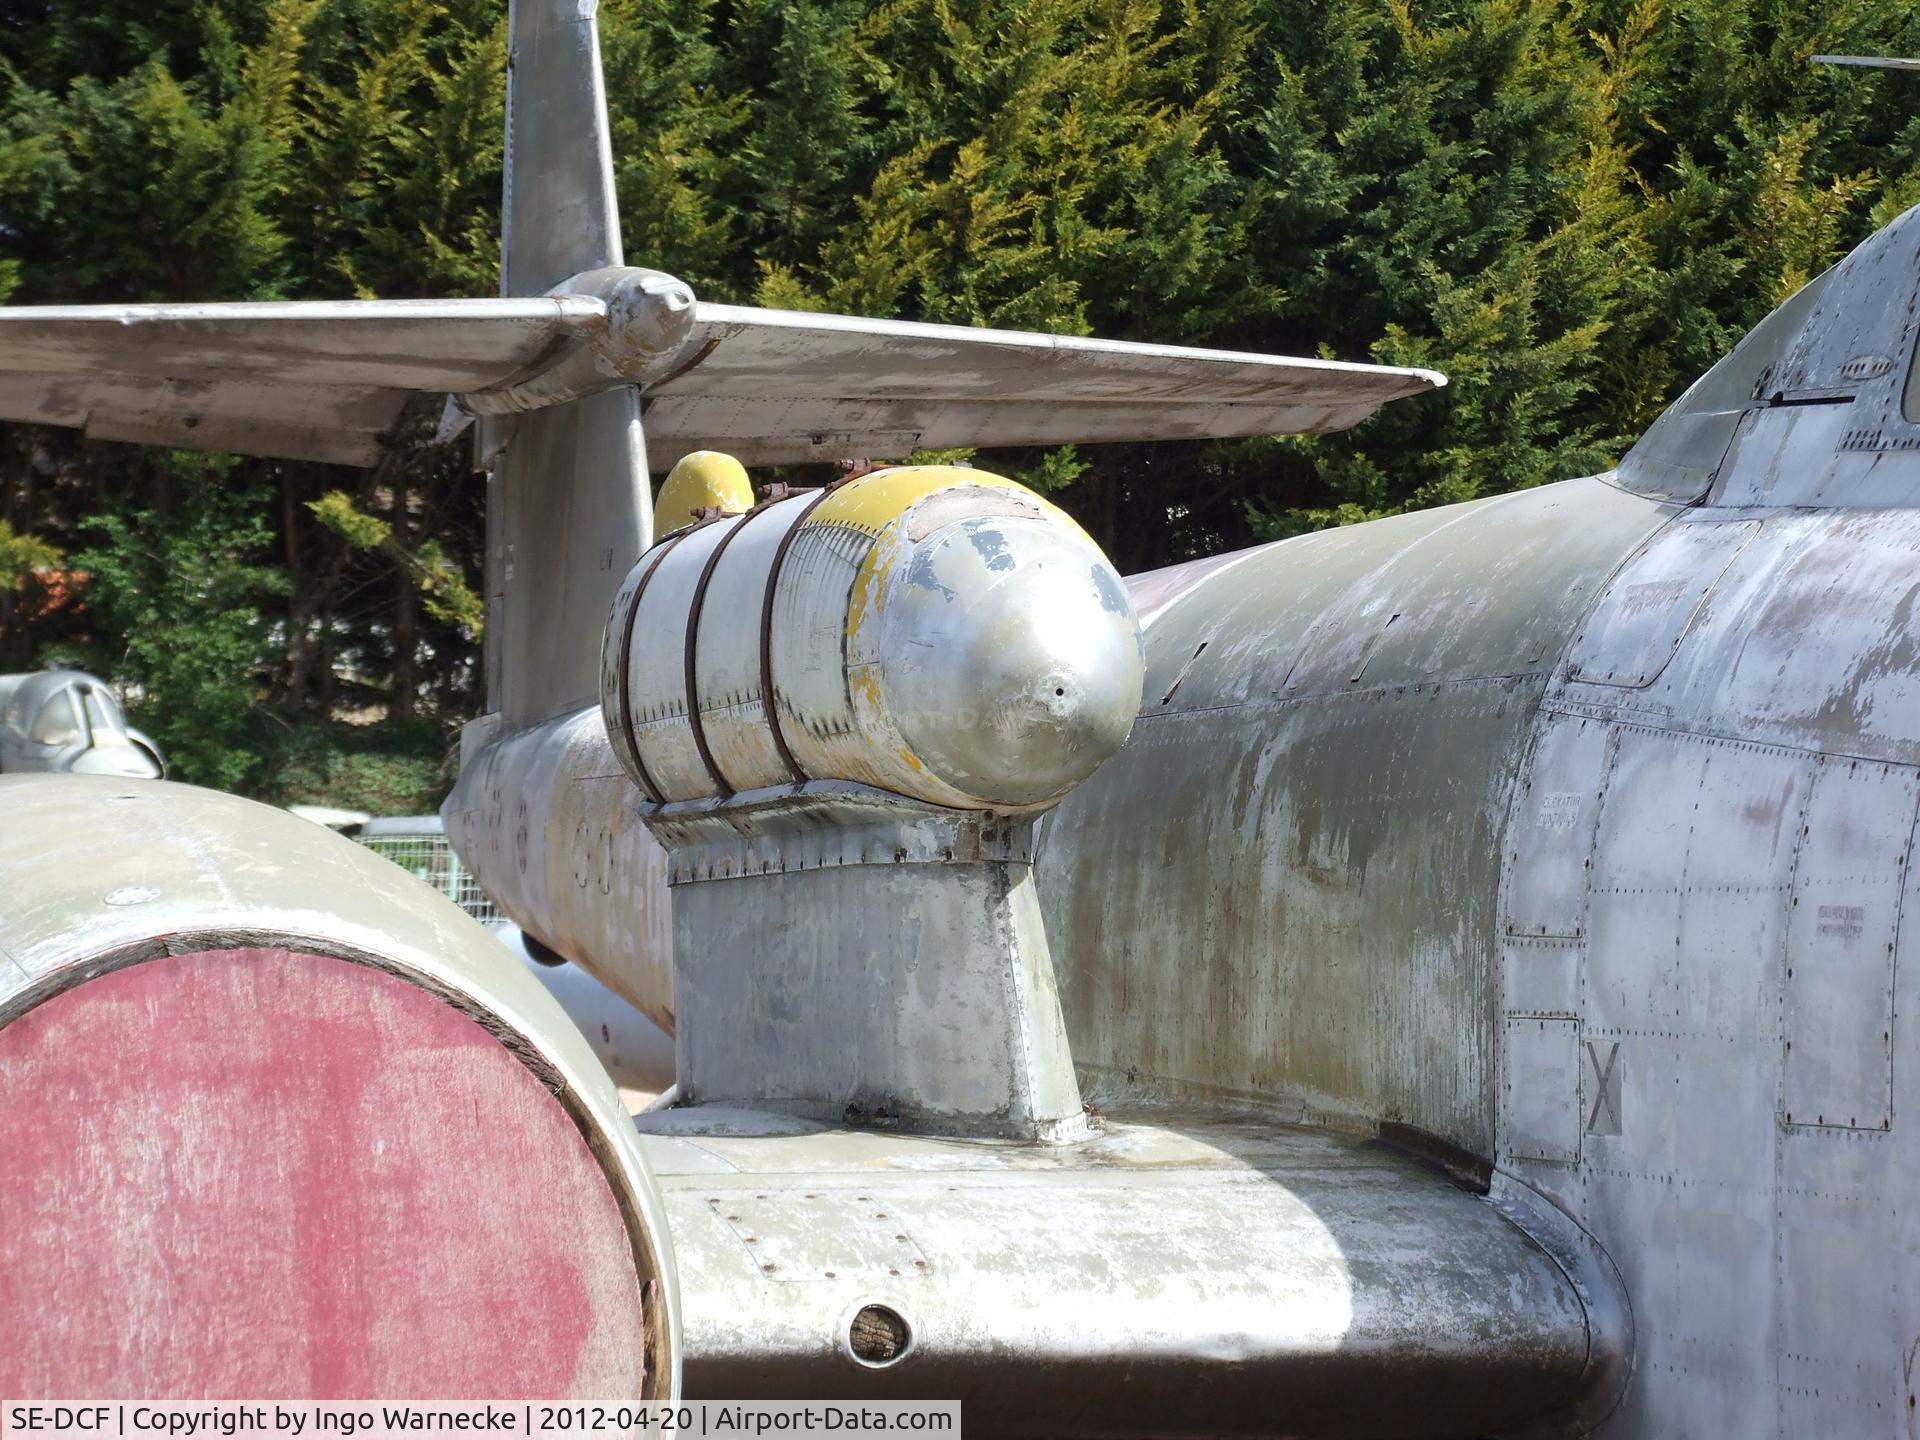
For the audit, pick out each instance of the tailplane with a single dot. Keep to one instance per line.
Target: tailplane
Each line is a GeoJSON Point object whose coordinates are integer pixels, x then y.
{"type": "Point", "coordinates": [556, 367]}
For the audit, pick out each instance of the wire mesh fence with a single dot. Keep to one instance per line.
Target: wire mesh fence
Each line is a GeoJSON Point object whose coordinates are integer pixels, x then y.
{"type": "Point", "coordinates": [423, 850]}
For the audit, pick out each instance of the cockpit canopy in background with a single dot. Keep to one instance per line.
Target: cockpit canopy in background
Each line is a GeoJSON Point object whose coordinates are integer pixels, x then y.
{"type": "Point", "coordinates": [69, 721]}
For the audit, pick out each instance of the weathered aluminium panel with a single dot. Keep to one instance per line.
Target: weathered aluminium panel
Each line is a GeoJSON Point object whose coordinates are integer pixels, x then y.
{"type": "Point", "coordinates": [1648, 610]}
{"type": "Point", "coordinates": [1540, 1088]}
{"type": "Point", "coordinates": [1807, 640]}
{"type": "Point", "coordinates": [600, 895]}
{"type": "Point", "coordinates": [1837, 1000]}
{"type": "Point", "coordinates": [1550, 844]}
{"type": "Point", "coordinates": [1186, 1272]}
{"type": "Point", "coordinates": [1737, 983]}
{"type": "Point", "coordinates": [1287, 883]}
{"type": "Point", "coordinates": [1672, 994]}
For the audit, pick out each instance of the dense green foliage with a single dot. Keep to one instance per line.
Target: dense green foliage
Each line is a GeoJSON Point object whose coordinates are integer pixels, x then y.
{"type": "Point", "coordinates": [1570, 206]}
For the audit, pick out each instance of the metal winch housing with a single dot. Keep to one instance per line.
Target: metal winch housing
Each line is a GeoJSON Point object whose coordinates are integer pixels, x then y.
{"type": "Point", "coordinates": [933, 631]}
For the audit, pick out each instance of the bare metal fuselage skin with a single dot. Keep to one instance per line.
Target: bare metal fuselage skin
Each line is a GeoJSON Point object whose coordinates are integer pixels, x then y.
{"type": "Point", "coordinates": [1570, 829]}
{"type": "Point", "coordinates": [1637, 944]}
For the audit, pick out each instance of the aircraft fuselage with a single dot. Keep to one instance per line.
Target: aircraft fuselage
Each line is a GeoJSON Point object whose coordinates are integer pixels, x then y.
{"type": "Point", "coordinates": [1566, 833]}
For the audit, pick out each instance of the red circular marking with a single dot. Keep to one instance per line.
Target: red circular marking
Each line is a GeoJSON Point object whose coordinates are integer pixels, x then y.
{"type": "Point", "coordinates": [266, 1174]}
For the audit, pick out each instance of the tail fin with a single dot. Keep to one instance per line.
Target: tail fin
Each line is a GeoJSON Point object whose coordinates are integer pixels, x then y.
{"type": "Point", "coordinates": [568, 505]}
{"type": "Point", "coordinates": [559, 212]}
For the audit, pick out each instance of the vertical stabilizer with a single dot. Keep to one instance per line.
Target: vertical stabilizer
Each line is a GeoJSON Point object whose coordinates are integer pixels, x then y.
{"type": "Point", "coordinates": [559, 209]}
{"type": "Point", "coordinates": [567, 498]}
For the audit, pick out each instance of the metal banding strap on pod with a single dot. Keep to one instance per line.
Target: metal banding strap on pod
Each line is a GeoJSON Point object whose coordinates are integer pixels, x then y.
{"type": "Point", "coordinates": [616, 695]}
{"type": "Point", "coordinates": [727, 681]}
{"type": "Point", "coordinates": [938, 632]}
{"type": "Point", "coordinates": [776, 727]}
{"type": "Point", "coordinates": [661, 635]}
{"type": "Point", "coordinates": [692, 646]}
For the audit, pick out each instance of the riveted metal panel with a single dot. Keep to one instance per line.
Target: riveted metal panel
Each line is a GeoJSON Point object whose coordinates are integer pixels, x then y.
{"type": "Point", "coordinates": [1861, 479]}
{"type": "Point", "coordinates": [1540, 1088]}
{"type": "Point", "coordinates": [1766, 1289]}
{"type": "Point", "coordinates": [823, 824]}
{"type": "Point", "coordinates": [1692, 866]}
{"type": "Point", "coordinates": [1783, 455]}
{"type": "Point", "coordinates": [1550, 843]}
{"type": "Point", "coordinates": [1843, 1272]}
{"type": "Point", "coordinates": [1542, 977]}
{"type": "Point", "coordinates": [1206, 1273]}
{"type": "Point", "coordinates": [1837, 1018]}
{"type": "Point", "coordinates": [1856, 331]}
{"type": "Point", "coordinates": [796, 1238]}
{"type": "Point", "coordinates": [1639, 865]}
{"type": "Point", "coordinates": [1736, 889]}
{"type": "Point", "coordinates": [1823, 651]}
{"type": "Point", "coordinates": [1677, 1125]}
{"type": "Point", "coordinates": [1694, 1252]}
{"type": "Point", "coordinates": [1650, 606]}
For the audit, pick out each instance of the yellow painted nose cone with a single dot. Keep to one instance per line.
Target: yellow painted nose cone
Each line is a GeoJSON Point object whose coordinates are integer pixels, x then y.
{"type": "Point", "coordinates": [701, 480]}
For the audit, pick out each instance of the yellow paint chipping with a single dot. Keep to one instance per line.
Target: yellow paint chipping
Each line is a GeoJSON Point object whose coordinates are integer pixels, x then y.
{"type": "Point", "coordinates": [875, 501]}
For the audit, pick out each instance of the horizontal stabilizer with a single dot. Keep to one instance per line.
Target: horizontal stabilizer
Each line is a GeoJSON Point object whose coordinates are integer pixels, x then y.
{"type": "Point", "coordinates": [1871, 62]}
{"type": "Point", "coordinates": [773, 386]}
{"type": "Point", "coordinates": [327, 380]}
{"type": "Point", "coordinates": [305, 380]}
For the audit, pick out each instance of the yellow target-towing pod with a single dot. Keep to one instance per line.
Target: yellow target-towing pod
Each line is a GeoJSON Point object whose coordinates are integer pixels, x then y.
{"type": "Point", "coordinates": [937, 632]}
